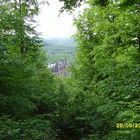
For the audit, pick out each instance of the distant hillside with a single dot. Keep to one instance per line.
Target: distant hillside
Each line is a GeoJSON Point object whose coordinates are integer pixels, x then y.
{"type": "Point", "coordinates": [68, 42]}
{"type": "Point", "coordinates": [60, 49]}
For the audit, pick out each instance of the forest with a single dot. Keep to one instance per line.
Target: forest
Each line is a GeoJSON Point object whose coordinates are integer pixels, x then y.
{"type": "Point", "coordinates": [101, 98]}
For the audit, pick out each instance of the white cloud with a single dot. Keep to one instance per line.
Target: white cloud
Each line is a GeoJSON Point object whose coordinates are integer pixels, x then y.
{"type": "Point", "coordinates": [52, 25]}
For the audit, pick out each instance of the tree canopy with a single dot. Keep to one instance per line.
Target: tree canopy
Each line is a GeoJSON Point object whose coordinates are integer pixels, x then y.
{"type": "Point", "coordinates": [100, 101]}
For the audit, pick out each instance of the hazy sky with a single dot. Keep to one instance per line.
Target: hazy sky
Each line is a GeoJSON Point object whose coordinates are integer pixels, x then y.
{"type": "Point", "coordinates": [50, 25]}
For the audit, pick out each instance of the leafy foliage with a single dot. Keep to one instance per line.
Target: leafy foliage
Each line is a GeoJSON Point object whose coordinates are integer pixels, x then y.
{"type": "Point", "coordinates": [102, 91]}
{"type": "Point", "coordinates": [107, 58]}
{"type": "Point", "coordinates": [25, 129]}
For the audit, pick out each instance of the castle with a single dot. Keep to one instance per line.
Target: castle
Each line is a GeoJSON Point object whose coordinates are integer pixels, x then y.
{"type": "Point", "coordinates": [59, 68]}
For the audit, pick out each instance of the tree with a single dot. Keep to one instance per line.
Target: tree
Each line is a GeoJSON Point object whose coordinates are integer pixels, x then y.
{"type": "Point", "coordinates": [107, 60]}
{"type": "Point", "coordinates": [24, 77]}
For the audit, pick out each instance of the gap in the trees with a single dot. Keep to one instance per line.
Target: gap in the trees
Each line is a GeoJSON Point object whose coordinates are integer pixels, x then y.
{"type": "Point", "coordinates": [60, 53]}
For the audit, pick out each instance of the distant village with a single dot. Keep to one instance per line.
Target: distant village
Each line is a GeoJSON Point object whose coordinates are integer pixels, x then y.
{"type": "Point", "coordinates": [59, 68]}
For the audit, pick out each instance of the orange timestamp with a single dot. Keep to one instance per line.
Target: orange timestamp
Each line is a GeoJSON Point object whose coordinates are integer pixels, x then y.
{"type": "Point", "coordinates": [127, 125]}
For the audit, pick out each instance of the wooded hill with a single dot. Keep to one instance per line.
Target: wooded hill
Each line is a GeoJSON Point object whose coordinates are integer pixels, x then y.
{"type": "Point", "coordinates": [60, 49]}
